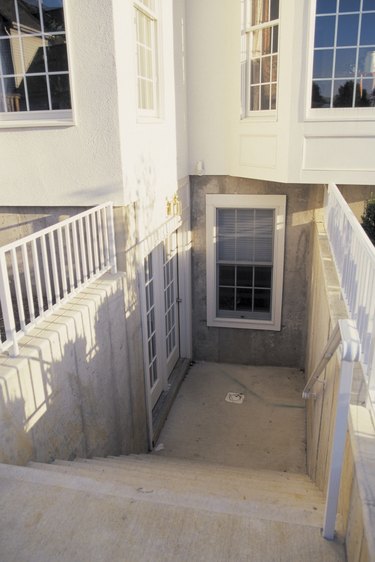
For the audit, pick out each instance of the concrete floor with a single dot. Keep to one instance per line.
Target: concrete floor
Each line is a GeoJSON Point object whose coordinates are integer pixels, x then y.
{"type": "Point", "coordinates": [267, 431]}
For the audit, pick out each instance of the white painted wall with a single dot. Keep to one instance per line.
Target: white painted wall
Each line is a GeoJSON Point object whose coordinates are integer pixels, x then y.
{"type": "Point", "coordinates": [80, 164]}
{"type": "Point", "coordinates": [148, 146]}
{"type": "Point", "coordinates": [180, 73]}
{"type": "Point", "coordinates": [292, 146]}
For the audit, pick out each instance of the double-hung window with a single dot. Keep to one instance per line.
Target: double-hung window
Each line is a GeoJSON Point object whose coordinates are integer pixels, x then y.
{"type": "Point", "coordinates": [344, 54]}
{"type": "Point", "coordinates": [146, 45]}
{"type": "Point", "coordinates": [259, 55]}
{"type": "Point", "coordinates": [245, 256]}
{"type": "Point", "coordinates": [34, 72]}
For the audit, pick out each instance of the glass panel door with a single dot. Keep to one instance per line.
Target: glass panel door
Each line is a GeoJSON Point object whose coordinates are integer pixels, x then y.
{"type": "Point", "coordinates": [171, 298]}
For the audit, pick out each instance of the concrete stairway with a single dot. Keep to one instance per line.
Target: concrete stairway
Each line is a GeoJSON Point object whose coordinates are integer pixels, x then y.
{"type": "Point", "coordinates": [153, 508]}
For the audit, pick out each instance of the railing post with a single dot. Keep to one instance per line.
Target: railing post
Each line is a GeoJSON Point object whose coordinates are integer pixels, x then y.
{"type": "Point", "coordinates": [350, 354]}
{"type": "Point", "coordinates": [111, 238]}
{"type": "Point", "coordinates": [7, 306]}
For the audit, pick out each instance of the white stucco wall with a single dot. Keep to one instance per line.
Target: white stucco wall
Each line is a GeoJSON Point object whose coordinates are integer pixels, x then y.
{"type": "Point", "coordinates": [80, 164]}
{"type": "Point", "coordinates": [291, 146]}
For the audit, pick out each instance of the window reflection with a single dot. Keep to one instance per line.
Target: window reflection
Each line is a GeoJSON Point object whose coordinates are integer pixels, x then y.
{"type": "Point", "coordinates": [344, 54]}
{"type": "Point", "coordinates": [33, 56]}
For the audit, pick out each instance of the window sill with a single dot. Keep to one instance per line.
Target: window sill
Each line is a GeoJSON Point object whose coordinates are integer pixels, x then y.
{"type": "Point", "coordinates": [340, 114]}
{"type": "Point", "coordinates": [37, 119]}
{"type": "Point", "coordinates": [260, 116]}
{"type": "Point", "coordinates": [244, 324]}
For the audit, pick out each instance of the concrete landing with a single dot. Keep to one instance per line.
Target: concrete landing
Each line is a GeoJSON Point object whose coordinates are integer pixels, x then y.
{"type": "Point", "coordinates": [267, 431]}
{"type": "Point", "coordinates": [49, 514]}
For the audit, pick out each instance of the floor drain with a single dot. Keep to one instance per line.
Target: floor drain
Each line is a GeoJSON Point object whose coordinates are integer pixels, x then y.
{"type": "Point", "coordinates": [235, 397]}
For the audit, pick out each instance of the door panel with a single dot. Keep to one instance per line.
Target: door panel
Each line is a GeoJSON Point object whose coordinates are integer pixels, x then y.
{"type": "Point", "coordinates": [170, 267]}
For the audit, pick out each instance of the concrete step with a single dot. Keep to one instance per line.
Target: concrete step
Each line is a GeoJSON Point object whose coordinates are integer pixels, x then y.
{"type": "Point", "coordinates": [47, 516]}
{"type": "Point", "coordinates": [269, 500]}
{"type": "Point", "coordinates": [194, 476]}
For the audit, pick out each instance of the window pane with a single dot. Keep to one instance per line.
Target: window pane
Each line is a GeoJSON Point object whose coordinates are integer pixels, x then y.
{"type": "Point", "coordinates": [226, 298]}
{"type": "Point", "coordinates": [365, 93]}
{"type": "Point", "coordinates": [275, 39]}
{"type": "Point", "coordinates": [369, 4]}
{"type": "Point", "coordinates": [345, 62]}
{"type": "Point", "coordinates": [343, 93]}
{"type": "Point", "coordinates": [324, 31]}
{"type": "Point", "coordinates": [244, 276]}
{"type": "Point", "coordinates": [263, 276]}
{"type": "Point", "coordinates": [15, 94]}
{"type": "Point", "coordinates": [7, 17]}
{"type": "Point", "coordinates": [326, 6]}
{"type": "Point", "coordinates": [262, 300]}
{"type": "Point", "coordinates": [60, 91]}
{"type": "Point", "coordinates": [349, 5]}
{"type": "Point", "coordinates": [255, 71]}
{"type": "Point", "coordinates": [57, 56]}
{"type": "Point", "coordinates": [323, 61]}
{"type": "Point", "coordinates": [321, 93]}
{"type": "Point", "coordinates": [347, 31]}
{"type": "Point", "coordinates": [53, 15]}
{"type": "Point", "coordinates": [273, 96]}
{"type": "Point", "coordinates": [10, 52]}
{"type": "Point", "coordinates": [266, 69]}
{"type": "Point", "coordinates": [37, 90]}
{"type": "Point", "coordinates": [33, 54]}
{"type": "Point", "coordinates": [266, 40]}
{"type": "Point", "coordinates": [226, 275]}
{"type": "Point", "coordinates": [368, 29]}
{"type": "Point", "coordinates": [274, 10]}
{"type": "Point", "coordinates": [366, 61]}
{"type": "Point", "coordinates": [29, 16]}
{"type": "Point", "coordinates": [265, 97]}
{"type": "Point", "coordinates": [274, 68]}
{"type": "Point", "coordinates": [244, 299]}
{"type": "Point", "coordinates": [254, 98]}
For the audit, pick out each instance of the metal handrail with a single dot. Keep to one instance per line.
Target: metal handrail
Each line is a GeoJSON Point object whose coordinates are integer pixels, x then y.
{"type": "Point", "coordinates": [55, 263]}
{"type": "Point", "coordinates": [345, 333]}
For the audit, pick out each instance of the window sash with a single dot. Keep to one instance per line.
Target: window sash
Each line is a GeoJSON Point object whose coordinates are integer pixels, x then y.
{"type": "Point", "coordinates": [146, 52]}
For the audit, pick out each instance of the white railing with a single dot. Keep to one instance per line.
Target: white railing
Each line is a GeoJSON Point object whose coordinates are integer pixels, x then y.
{"type": "Point", "coordinates": [41, 271]}
{"type": "Point", "coordinates": [354, 256]}
{"type": "Point", "coordinates": [346, 334]}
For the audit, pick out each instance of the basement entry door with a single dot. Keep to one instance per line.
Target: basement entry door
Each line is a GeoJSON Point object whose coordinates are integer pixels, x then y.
{"type": "Point", "coordinates": [162, 314]}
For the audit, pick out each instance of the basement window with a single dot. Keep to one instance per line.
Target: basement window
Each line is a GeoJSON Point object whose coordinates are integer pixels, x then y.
{"type": "Point", "coordinates": [34, 72]}
{"type": "Point", "coordinates": [245, 256]}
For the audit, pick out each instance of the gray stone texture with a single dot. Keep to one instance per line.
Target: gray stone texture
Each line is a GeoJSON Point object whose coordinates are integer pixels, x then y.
{"type": "Point", "coordinates": [257, 347]}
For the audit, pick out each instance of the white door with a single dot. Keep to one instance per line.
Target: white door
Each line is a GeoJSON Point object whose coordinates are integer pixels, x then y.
{"type": "Point", "coordinates": [161, 315]}
{"type": "Point", "coordinates": [171, 301]}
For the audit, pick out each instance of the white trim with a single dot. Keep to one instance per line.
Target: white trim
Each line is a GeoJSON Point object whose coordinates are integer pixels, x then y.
{"type": "Point", "coordinates": [276, 202]}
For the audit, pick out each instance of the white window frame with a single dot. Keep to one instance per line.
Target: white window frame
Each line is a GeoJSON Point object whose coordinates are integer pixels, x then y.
{"type": "Point", "coordinates": [151, 10]}
{"type": "Point", "coordinates": [46, 118]}
{"type": "Point", "coordinates": [278, 204]}
{"type": "Point", "coordinates": [247, 31]}
{"type": "Point", "coordinates": [328, 113]}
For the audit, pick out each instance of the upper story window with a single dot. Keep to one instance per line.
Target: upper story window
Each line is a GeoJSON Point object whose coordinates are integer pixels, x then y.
{"type": "Point", "coordinates": [344, 54]}
{"type": "Point", "coordinates": [146, 38]}
{"type": "Point", "coordinates": [259, 56]}
{"type": "Point", "coordinates": [34, 73]}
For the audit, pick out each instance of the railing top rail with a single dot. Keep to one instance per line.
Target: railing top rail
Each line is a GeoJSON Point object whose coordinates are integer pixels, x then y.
{"type": "Point", "coordinates": [345, 332]}
{"type": "Point", "coordinates": [334, 190]}
{"type": "Point", "coordinates": [54, 227]}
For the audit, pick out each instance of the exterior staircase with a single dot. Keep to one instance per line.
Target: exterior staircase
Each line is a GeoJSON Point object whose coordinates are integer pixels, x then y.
{"type": "Point", "coordinates": [154, 508]}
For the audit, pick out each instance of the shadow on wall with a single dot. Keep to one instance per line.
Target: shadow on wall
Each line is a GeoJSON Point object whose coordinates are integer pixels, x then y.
{"type": "Point", "coordinates": [71, 392]}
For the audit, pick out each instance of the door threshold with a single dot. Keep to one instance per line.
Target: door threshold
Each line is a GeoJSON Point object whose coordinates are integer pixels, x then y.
{"type": "Point", "coordinates": [162, 407]}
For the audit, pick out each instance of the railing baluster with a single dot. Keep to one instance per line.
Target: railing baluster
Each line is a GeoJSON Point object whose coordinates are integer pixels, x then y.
{"type": "Point", "coordinates": [105, 232]}
{"type": "Point", "coordinates": [38, 283]}
{"type": "Point", "coordinates": [29, 289]}
{"type": "Point", "coordinates": [83, 250]}
{"type": "Point", "coordinates": [62, 262]}
{"type": "Point", "coordinates": [55, 275]}
{"type": "Point", "coordinates": [111, 237]}
{"type": "Point", "coordinates": [69, 256]}
{"type": "Point", "coordinates": [100, 238]}
{"type": "Point", "coordinates": [77, 264]}
{"type": "Point", "coordinates": [89, 245]}
{"type": "Point", "coordinates": [6, 304]}
{"type": "Point", "coordinates": [17, 286]}
{"type": "Point", "coordinates": [46, 272]}
{"type": "Point", "coordinates": [95, 242]}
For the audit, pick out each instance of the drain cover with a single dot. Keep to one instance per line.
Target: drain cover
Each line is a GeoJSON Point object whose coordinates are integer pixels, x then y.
{"type": "Point", "coordinates": [235, 397]}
